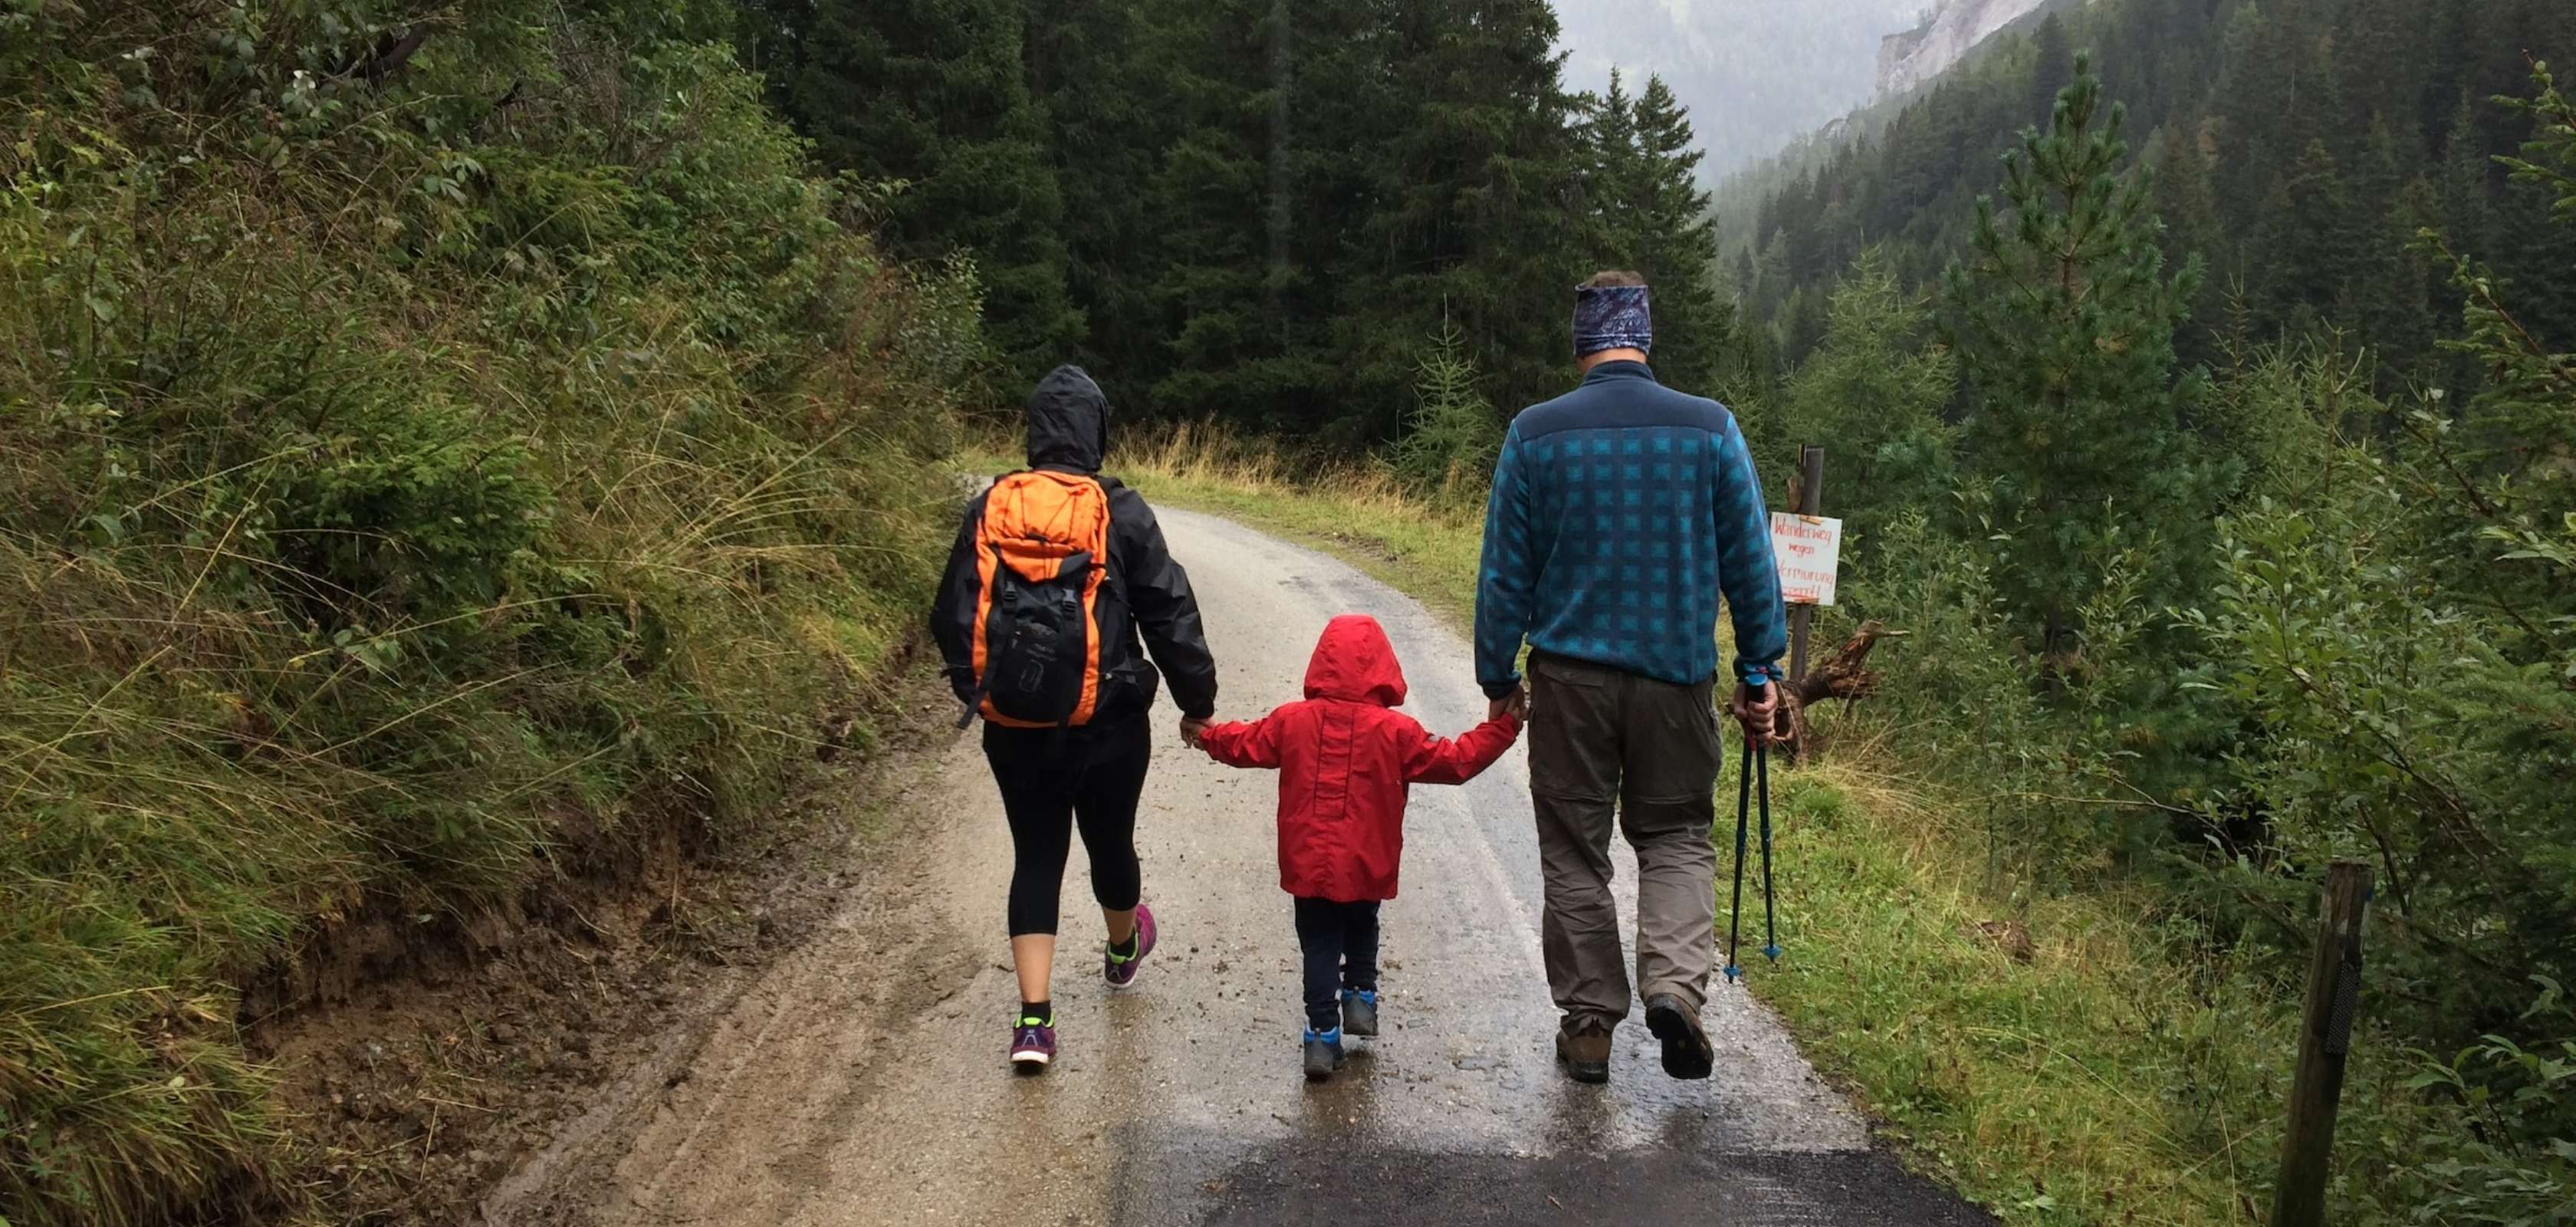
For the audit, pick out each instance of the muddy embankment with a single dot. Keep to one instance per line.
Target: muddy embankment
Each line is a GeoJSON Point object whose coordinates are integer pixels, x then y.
{"type": "Point", "coordinates": [422, 1059]}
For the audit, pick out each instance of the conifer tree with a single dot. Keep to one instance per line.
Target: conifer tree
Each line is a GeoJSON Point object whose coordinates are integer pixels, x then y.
{"type": "Point", "coordinates": [1610, 162]}
{"type": "Point", "coordinates": [2312, 239]}
{"type": "Point", "coordinates": [932, 95]}
{"type": "Point", "coordinates": [1878, 391]}
{"type": "Point", "coordinates": [2378, 68]}
{"type": "Point", "coordinates": [1099, 69]}
{"type": "Point", "coordinates": [2504, 462]}
{"type": "Point", "coordinates": [2052, 66]}
{"type": "Point", "coordinates": [2466, 174]}
{"type": "Point", "coordinates": [1280, 114]}
{"type": "Point", "coordinates": [1655, 218]}
{"type": "Point", "coordinates": [2185, 200]}
{"type": "Point", "coordinates": [2385, 297]}
{"type": "Point", "coordinates": [1471, 188]}
{"type": "Point", "coordinates": [2064, 323]}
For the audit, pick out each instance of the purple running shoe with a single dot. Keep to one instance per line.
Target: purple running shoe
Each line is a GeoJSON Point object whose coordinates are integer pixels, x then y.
{"type": "Point", "coordinates": [1121, 972]}
{"type": "Point", "coordinates": [1032, 1046]}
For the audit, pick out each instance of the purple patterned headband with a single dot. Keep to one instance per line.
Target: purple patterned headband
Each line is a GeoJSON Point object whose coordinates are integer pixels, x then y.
{"type": "Point", "coordinates": [1612, 317]}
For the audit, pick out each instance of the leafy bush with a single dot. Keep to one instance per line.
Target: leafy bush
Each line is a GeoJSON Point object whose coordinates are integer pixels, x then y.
{"type": "Point", "coordinates": [2486, 1166]}
{"type": "Point", "coordinates": [2381, 665]}
{"type": "Point", "coordinates": [407, 458]}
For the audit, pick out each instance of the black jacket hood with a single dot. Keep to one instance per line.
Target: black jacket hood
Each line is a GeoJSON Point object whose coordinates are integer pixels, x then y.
{"type": "Point", "coordinates": [1068, 422]}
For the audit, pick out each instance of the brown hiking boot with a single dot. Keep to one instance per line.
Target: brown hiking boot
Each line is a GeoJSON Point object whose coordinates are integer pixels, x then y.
{"type": "Point", "coordinates": [1687, 1052]}
{"type": "Point", "coordinates": [1583, 1048]}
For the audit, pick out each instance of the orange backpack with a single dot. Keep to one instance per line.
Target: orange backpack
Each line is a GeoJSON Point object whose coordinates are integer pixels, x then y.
{"type": "Point", "coordinates": [1041, 554]}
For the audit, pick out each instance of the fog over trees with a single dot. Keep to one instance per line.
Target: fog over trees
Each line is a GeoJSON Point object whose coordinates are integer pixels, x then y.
{"type": "Point", "coordinates": [1754, 73]}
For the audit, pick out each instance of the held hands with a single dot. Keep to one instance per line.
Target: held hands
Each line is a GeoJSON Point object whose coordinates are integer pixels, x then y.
{"type": "Point", "coordinates": [1516, 705]}
{"type": "Point", "coordinates": [1193, 729]}
{"type": "Point", "coordinates": [1758, 711]}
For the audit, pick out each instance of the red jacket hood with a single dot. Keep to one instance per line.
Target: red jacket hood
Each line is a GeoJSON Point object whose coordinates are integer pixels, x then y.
{"type": "Point", "coordinates": [1354, 663]}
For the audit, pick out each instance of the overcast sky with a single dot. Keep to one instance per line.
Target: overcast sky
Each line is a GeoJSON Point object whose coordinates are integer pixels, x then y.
{"type": "Point", "coordinates": [1754, 73]}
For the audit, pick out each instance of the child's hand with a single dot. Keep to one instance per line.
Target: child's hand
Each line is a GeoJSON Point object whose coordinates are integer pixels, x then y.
{"type": "Point", "coordinates": [1192, 727]}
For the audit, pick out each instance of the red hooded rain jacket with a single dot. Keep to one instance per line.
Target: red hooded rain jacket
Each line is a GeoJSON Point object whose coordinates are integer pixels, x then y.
{"type": "Point", "coordinates": [1345, 759]}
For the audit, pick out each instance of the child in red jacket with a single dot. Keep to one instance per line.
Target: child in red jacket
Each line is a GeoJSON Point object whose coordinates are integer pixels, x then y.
{"type": "Point", "coordinates": [1345, 759]}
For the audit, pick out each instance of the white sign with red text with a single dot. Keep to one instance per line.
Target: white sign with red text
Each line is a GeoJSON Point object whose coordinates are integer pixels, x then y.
{"type": "Point", "coordinates": [1808, 549]}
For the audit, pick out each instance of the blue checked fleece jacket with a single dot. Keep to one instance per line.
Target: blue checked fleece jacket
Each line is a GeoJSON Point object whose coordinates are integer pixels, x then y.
{"type": "Point", "coordinates": [1620, 511]}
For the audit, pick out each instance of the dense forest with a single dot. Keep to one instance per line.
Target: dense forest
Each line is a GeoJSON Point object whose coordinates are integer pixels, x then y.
{"type": "Point", "coordinates": [1254, 211]}
{"type": "Point", "coordinates": [2214, 443]}
{"type": "Point", "coordinates": [2297, 145]}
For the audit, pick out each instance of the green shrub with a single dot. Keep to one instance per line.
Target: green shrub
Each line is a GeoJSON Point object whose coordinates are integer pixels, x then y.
{"type": "Point", "coordinates": [396, 475]}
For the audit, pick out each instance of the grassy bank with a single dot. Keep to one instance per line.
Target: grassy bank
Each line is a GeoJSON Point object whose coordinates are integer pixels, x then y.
{"type": "Point", "coordinates": [408, 478]}
{"type": "Point", "coordinates": [2063, 1057]}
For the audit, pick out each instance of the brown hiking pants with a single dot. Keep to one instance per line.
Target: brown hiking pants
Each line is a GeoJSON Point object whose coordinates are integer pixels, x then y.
{"type": "Point", "coordinates": [1605, 741]}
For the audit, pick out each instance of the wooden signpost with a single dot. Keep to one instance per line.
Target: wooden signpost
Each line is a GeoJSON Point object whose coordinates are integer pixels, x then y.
{"type": "Point", "coordinates": [2325, 1039]}
{"type": "Point", "coordinates": [1808, 550]}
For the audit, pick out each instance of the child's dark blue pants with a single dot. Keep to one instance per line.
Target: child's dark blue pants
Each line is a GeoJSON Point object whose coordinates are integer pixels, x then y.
{"type": "Point", "coordinates": [1340, 941]}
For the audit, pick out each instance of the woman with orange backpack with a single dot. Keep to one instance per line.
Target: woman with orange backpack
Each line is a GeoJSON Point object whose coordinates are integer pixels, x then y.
{"type": "Point", "coordinates": [1057, 574]}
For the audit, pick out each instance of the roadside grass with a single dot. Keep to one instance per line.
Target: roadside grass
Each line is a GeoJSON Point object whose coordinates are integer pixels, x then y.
{"type": "Point", "coordinates": [2092, 1076]}
{"type": "Point", "coordinates": [370, 550]}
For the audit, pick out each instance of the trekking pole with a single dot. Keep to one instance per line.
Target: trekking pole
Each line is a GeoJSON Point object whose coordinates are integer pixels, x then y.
{"type": "Point", "coordinates": [1770, 930]}
{"type": "Point", "coordinates": [1743, 813]}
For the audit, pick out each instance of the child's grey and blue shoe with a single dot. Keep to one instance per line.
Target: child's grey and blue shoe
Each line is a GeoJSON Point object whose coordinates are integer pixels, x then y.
{"type": "Point", "coordinates": [1323, 1053]}
{"type": "Point", "coordinates": [1359, 1011]}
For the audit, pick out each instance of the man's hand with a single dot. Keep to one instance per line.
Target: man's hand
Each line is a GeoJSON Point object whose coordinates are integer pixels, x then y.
{"type": "Point", "coordinates": [1756, 709]}
{"type": "Point", "coordinates": [1515, 704]}
{"type": "Point", "coordinates": [1191, 729]}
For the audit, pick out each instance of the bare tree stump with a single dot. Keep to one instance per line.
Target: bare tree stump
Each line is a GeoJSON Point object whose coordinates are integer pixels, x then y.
{"type": "Point", "coordinates": [1844, 675]}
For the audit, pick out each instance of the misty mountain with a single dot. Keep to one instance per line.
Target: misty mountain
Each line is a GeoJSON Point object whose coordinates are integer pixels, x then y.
{"type": "Point", "coordinates": [1754, 73]}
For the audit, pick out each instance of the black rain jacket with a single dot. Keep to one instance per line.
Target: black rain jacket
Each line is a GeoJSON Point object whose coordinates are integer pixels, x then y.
{"type": "Point", "coordinates": [1147, 591]}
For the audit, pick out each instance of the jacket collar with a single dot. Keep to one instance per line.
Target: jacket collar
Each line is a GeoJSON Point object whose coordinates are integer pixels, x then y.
{"type": "Point", "coordinates": [1608, 371]}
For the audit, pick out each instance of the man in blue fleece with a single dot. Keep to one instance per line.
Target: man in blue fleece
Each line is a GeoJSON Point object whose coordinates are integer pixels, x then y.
{"type": "Point", "coordinates": [1620, 511]}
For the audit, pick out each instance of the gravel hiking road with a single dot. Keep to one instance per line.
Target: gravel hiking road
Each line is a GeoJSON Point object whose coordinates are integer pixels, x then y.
{"type": "Point", "coordinates": [862, 1081]}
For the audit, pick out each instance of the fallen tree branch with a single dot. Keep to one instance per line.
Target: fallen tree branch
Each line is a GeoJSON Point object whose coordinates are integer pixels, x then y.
{"type": "Point", "coordinates": [1844, 675]}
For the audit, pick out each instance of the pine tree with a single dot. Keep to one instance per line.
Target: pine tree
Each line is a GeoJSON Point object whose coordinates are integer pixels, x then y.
{"type": "Point", "coordinates": [2379, 71]}
{"type": "Point", "coordinates": [1611, 165]}
{"type": "Point", "coordinates": [2386, 298]}
{"type": "Point", "coordinates": [1663, 220]}
{"type": "Point", "coordinates": [2447, 53]}
{"type": "Point", "coordinates": [1877, 392]}
{"type": "Point", "coordinates": [2064, 323]}
{"type": "Point", "coordinates": [1211, 207]}
{"type": "Point", "coordinates": [2184, 198]}
{"type": "Point", "coordinates": [2052, 66]}
{"type": "Point", "coordinates": [1471, 187]}
{"type": "Point", "coordinates": [2312, 240]}
{"type": "Point", "coordinates": [1098, 68]}
{"type": "Point", "coordinates": [2504, 462]}
{"type": "Point", "coordinates": [2467, 174]}
{"type": "Point", "coordinates": [931, 95]}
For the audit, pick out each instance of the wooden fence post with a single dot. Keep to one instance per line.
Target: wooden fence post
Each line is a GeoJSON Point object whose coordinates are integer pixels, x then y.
{"type": "Point", "coordinates": [1811, 501]}
{"type": "Point", "coordinates": [2325, 1038]}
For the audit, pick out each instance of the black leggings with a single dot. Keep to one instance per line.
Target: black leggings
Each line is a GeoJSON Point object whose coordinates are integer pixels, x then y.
{"type": "Point", "coordinates": [1340, 944]}
{"type": "Point", "coordinates": [1051, 781]}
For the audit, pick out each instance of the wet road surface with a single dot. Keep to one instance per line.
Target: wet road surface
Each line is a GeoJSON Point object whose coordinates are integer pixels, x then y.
{"type": "Point", "coordinates": [861, 1079]}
